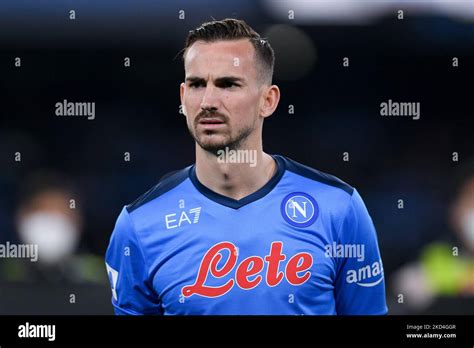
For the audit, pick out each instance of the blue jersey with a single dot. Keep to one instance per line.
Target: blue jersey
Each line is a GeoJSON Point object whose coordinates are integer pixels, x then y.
{"type": "Point", "coordinates": [302, 244]}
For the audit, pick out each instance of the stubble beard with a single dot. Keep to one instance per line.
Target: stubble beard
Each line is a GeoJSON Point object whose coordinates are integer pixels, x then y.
{"type": "Point", "coordinates": [214, 148]}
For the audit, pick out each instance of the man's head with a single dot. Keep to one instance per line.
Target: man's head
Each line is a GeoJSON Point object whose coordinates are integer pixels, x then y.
{"type": "Point", "coordinates": [46, 218]}
{"type": "Point", "coordinates": [227, 90]}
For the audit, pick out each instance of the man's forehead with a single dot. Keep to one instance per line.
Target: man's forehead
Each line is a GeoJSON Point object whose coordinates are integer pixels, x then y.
{"type": "Point", "coordinates": [237, 55]}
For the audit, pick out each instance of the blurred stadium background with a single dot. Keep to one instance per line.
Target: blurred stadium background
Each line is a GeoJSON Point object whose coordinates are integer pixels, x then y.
{"type": "Point", "coordinates": [336, 110]}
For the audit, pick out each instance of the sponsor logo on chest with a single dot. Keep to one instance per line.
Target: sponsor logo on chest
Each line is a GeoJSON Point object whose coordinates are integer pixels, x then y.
{"type": "Point", "coordinates": [247, 274]}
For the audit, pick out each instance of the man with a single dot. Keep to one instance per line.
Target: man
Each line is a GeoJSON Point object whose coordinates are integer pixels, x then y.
{"type": "Point", "coordinates": [48, 257]}
{"type": "Point", "coordinates": [242, 231]}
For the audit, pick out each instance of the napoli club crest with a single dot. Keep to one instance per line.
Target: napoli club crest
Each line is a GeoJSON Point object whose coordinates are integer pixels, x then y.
{"type": "Point", "coordinates": [299, 209]}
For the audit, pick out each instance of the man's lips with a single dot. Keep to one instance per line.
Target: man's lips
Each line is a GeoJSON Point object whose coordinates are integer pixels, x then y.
{"type": "Point", "coordinates": [211, 122]}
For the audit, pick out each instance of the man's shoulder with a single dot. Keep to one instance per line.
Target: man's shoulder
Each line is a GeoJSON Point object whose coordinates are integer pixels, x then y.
{"type": "Point", "coordinates": [316, 176]}
{"type": "Point", "coordinates": [167, 182]}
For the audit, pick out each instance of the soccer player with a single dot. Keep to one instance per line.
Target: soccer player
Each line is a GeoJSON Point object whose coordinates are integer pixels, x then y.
{"type": "Point", "coordinates": [242, 231]}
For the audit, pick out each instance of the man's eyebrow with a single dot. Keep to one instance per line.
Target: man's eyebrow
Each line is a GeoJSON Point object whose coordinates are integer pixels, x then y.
{"type": "Point", "coordinates": [230, 79]}
{"type": "Point", "coordinates": [218, 80]}
{"type": "Point", "coordinates": [194, 79]}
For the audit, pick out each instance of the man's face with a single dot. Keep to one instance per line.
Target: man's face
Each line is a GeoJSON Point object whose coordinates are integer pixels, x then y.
{"type": "Point", "coordinates": [222, 93]}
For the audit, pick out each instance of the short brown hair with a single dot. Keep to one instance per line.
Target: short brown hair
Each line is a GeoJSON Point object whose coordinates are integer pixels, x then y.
{"type": "Point", "coordinates": [235, 29]}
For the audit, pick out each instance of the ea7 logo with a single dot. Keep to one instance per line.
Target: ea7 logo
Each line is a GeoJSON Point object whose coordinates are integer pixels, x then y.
{"type": "Point", "coordinates": [192, 217]}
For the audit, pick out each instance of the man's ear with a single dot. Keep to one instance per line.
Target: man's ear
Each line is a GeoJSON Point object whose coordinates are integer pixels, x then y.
{"type": "Point", "coordinates": [271, 98]}
{"type": "Point", "coordinates": [181, 94]}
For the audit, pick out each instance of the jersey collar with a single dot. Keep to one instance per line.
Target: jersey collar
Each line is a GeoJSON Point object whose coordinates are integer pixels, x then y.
{"type": "Point", "coordinates": [234, 203]}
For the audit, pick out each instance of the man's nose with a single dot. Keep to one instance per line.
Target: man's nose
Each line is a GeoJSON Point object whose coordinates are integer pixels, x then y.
{"type": "Point", "coordinates": [210, 99]}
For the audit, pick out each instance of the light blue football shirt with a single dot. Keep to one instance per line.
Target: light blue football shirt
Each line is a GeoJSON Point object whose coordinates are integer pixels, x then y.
{"type": "Point", "coordinates": [302, 244]}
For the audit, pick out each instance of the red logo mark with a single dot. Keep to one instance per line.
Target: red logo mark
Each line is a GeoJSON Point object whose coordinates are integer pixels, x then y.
{"type": "Point", "coordinates": [247, 268]}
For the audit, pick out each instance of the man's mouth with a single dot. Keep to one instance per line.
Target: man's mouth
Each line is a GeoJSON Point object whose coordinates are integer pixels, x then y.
{"type": "Point", "coordinates": [211, 122]}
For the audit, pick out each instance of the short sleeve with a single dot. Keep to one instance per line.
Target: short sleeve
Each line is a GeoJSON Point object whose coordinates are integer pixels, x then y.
{"type": "Point", "coordinates": [360, 284]}
{"type": "Point", "coordinates": [132, 290]}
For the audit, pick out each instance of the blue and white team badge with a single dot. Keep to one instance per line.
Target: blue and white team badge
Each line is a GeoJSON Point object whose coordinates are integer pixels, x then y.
{"type": "Point", "coordinates": [299, 209]}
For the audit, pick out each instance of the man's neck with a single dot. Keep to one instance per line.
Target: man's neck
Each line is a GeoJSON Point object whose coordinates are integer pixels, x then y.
{"type": "Point", "coordinates": [234, 180]}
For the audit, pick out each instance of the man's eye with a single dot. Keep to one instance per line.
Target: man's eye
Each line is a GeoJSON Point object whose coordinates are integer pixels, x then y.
{"type": "Point", "coordinates": [196, 85]}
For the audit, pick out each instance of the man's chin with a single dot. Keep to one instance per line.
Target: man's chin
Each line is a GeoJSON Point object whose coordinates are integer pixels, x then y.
{"type": "Point", "coordinates": [213, 142]}
{"type": "Point", "coordinates": [212, 147]}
